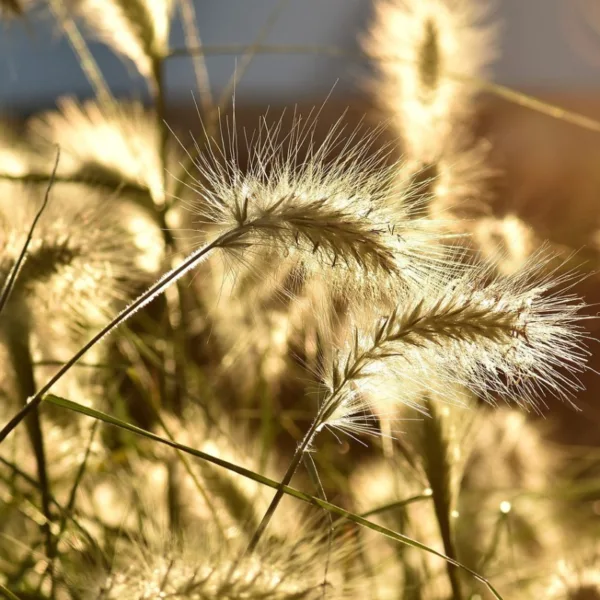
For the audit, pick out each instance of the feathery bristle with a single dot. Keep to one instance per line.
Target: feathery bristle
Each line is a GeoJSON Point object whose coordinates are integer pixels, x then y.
{"type": "Point", "coordinates": [137, 29]}
{"type": "Point", "coordinates": [417, 44]}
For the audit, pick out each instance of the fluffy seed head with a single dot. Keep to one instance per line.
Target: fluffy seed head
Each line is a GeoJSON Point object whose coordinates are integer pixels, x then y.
{"type": "Point", "coordinates": [137, 29]}
{"type": "Point", "coordinates": [80, 261]}
{"type": "Point", "coordinates": [504, 337]}
{"type": "Point", "coordinates": [506, 491]}
{"type": "Point", "coordinates": [324, 205]}
{"type": "Point", "coordinates": [207, 566]}
{"type": "Point", "coordinates": [114, 144]}
{"type": "Point", "coordinates": [416, 45]}
{"type": "Point", "coordinates": [572, 583]}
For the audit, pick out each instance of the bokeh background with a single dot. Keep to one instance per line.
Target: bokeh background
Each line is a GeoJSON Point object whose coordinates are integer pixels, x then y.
{"type": "Point", "coordinates": [550, 46]}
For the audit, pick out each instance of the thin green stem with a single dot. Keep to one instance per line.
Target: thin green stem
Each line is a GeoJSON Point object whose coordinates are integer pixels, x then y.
{"type": "Point", "coordinates": [160, 105]}
{"type": "Point", "coordinates": [188, 468]}
{"type": "Point", "coordinates": [72, 498]}
{"type": "Point", "coordinates": [438, 469]}
{"type": "Point", "coordinates": [14, 273]}
{"type": "Point", "coordinates": [495, 542]}
{"type": "Point", "coordinates": [20, 354]}
{"type": "Point", "coordinates": [36, 485]}
{"type": "Point", "coordinates": [323, 414]}
{"type": "Point", "coordinates": [86, 60]}
{"type": "Point", "coordinates": [192, 38]}
{"type": "Point", "coordinates": [394, 505]}
{"type": "Point", "coordinates": [211, 118]}
{"type": "Point", "coordinates": [251, 51]}
{"type": "Point", "coordinates": [9, 595]}
{"type": "Point", "coordinates": [173, 315]}
{"type": "Point", "coordinates": [287, 478]}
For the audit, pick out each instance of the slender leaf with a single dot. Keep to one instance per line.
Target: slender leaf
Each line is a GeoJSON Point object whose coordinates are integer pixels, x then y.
{"type": "Point", "coordinates": [106, 418]}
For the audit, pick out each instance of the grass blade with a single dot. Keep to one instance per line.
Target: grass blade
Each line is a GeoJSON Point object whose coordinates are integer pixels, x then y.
{"type": "Point", "coordinates": [12, 278]}
{"type": "Point", "coordinates": [332, 508]}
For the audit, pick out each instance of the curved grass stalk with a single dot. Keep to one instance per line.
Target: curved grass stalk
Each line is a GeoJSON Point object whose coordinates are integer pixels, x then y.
{"type": "Point", "coordinates": [63, 511]}
{"type": "Point", "coordinates": [192, 36]}
{"type": "Point", "coordinates": [438, 468]}
{"type": "Point", "coordinates": [12, 278]}
{"type": "Point", "coordinates": [80, 47]}
{"type": "Point", "coordinates": [397, 504]}
{"type": "Point", "coordinates": [20, 352]}
{"type": "Point", "coordinates": [172, 276]}
{"type": "Point", "coordinates": [8, 593]}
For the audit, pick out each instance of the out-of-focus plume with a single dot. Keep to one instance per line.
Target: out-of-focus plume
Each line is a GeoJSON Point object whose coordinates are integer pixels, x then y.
{"type": "Point", "coordinates": [207, 565]}
{"type": "Point", "coordinates": [180, 489]}
{"type": "Point", "coordinates": [115, 145]}
{"type": "Point", "coordinates": [514, 525]}
{"type": "Point", "coordinates": [507, 243]}
{"type": "Point", "coordinates": [575, 580]}
{"type": "Point", "coordinates": [76, 269]}
{"type": "Point", "coordinates": [418, 45]}
{"type": "Point", "coordinates": [136, 29]}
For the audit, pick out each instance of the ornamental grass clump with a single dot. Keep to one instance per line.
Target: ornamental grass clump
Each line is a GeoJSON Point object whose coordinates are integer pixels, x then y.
{"type": "Point", "coordinates": [345, 312]}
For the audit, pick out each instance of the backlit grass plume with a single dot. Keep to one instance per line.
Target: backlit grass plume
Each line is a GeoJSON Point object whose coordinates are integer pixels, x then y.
{"type": "Point", "coordinates": [313, 281]}
{"type": "Point", "coordinates": [112, 145]}
{"type": "Point", "coordinates": [496, 336]}
{"type": "Point", "coordinates": [418, 45]}
{"type": "Point", "coordinates": [502, 337]}
{"type": "Point", "coordinates": [329, 215]}
{"type": "Point", "coordinates": [75, 271]}
{"type": "Point", "coordinates": [136, 29]}
{"type": "Point", "coordinates": [204, 566]}
{"type": "Point", "coordinates": [330, 200]}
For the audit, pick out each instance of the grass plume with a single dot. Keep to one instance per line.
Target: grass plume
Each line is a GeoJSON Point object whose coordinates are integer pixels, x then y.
{"type": "Point", "coordinates": [137, 29]}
